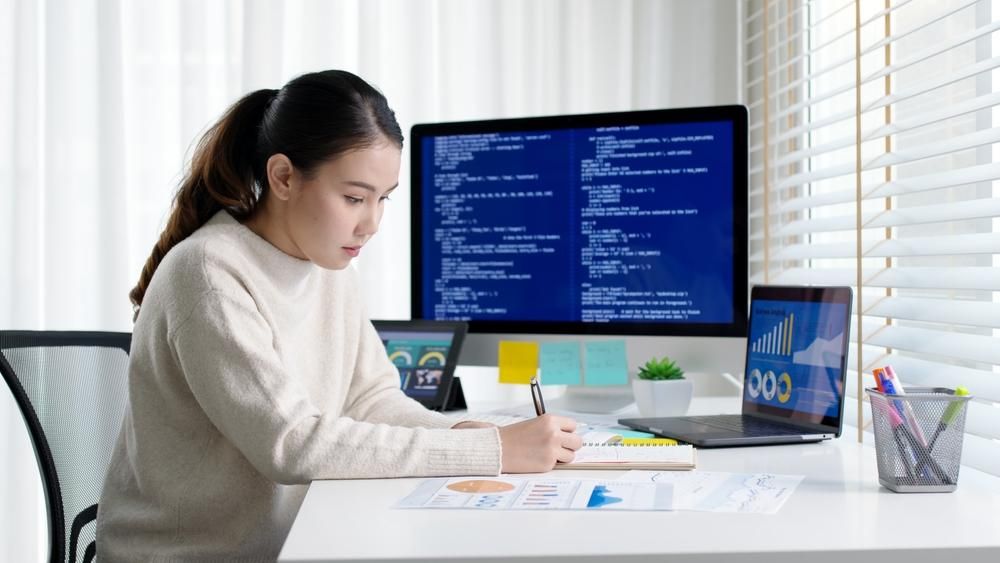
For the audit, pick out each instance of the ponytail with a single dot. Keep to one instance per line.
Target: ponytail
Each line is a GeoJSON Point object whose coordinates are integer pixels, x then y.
{"type": "Point", "coordinates": [225, 174]}
{"type": "Point", "coordinates": [312, 119]}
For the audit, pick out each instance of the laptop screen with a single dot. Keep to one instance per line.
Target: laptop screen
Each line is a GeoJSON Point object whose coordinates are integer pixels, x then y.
{"type": "Point", "coordinates": [795, 360]}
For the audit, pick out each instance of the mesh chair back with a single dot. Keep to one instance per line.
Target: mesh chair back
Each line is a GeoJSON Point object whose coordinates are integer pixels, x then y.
{"type": "Point", "coordinates": [71, 388]}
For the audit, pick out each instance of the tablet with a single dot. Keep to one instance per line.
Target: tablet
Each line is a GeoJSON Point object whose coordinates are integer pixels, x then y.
{"type": "Point", "coordinates": [425, 353]}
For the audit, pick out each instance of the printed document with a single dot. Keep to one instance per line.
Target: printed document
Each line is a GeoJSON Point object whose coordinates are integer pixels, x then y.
{"type": "Point", "coordinates": [714, 491]}
{"type": "Point", "coordinates": [513, 493]}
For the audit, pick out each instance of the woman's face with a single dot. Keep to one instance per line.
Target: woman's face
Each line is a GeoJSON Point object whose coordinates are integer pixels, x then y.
{"type": "Point", "coordinates": [333, 213]}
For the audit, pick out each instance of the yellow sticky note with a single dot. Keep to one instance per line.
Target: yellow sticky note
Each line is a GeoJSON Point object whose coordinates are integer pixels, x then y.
{"type": "Point", "coordinates": [518, 361]}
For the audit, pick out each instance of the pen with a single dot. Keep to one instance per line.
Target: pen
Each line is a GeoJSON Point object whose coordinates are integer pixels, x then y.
{"type": "Point", "coordinates": [898, 414]}
{"type": "Point", "coordinates": [536, 396]}
{"type": "Point", "coordinates": [904, 455]}
{"type": "Point", "coordinates": [923, 456]}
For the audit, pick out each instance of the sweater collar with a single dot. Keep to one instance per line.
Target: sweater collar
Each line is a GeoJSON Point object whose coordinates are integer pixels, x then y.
{"type": "Point", "coordinates": [279, 263]}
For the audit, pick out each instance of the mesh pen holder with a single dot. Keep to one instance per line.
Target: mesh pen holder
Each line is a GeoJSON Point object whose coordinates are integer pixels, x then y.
{"type": "Point", "coordinates": [918, 438]}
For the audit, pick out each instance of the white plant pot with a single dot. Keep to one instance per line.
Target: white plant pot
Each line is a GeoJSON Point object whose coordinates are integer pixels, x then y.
{"type": "Point", "coordinates": [662, 398]}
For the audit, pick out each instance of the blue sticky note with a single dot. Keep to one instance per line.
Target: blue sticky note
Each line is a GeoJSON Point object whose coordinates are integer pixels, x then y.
{"type": "Point", "coordinates": [560, 363]}
{"type": "Point", "coordinates": [605, 363]}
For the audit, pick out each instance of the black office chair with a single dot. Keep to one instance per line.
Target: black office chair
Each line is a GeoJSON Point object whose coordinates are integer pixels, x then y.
{"type": "Point", "coordinates": [71, 389]}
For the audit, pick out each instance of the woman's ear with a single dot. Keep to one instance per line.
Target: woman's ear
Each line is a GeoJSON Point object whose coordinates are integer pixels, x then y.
{"type": "Point", "coordinates": [279, 176]}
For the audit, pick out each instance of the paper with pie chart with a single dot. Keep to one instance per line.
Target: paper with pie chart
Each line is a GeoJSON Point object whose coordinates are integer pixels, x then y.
{"type": "Point", "coordinates": [512, 493]}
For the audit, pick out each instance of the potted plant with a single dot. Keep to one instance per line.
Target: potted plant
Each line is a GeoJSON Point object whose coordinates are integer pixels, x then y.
{"type": "Point", "coordinates": [660, 388]}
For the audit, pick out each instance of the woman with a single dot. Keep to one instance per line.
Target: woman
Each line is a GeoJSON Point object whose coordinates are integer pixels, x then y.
{"type": "Point", "coordinates": [253, 368]}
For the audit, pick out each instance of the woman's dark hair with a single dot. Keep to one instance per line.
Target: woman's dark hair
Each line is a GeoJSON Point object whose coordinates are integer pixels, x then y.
{"type": "Point", "coordinates": [312, 119]}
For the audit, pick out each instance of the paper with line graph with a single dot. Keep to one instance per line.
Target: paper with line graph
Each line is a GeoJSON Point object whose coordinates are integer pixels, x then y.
{"type": "Point", "coordinates": [715, 491]}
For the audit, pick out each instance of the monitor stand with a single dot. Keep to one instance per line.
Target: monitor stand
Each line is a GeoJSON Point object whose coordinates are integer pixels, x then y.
{"type": "Point", "coordinates": [607, 399]}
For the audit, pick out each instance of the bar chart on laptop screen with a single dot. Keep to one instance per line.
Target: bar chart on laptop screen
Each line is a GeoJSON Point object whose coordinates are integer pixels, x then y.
{"type": "Point", "coordinates": [794, 356]}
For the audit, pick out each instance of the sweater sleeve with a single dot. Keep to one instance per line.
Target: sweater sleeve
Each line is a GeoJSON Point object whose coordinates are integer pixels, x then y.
{"type": "Point", "coordinates": [375, 395]}
{"type": "Point", "coordinates": [227, 355]}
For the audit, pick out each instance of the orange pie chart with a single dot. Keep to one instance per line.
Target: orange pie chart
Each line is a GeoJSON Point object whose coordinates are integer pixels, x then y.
{"type": "Point", "coordinates": [481, 486]}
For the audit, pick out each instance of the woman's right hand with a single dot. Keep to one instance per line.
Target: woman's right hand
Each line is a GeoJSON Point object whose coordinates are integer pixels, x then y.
{"type": "Point", "coordinates": [535, 445]}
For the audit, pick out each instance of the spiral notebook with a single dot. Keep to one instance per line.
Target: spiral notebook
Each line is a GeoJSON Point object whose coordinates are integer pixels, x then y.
{"type": "Point", "coordinates": [602, 455]}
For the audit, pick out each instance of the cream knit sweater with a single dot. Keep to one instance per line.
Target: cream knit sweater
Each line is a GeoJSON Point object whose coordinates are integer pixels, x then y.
{"type": "Point", "coordinates": [251, 374]}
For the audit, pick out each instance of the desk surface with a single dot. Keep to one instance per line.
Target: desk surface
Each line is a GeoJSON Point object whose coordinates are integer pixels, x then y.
{"type": "Point", "coordinates": [838, 513]}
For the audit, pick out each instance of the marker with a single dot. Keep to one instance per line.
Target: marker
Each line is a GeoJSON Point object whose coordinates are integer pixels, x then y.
{"type": "Point", "coordinates": [900, 413]}
{"type": "Point", "coordinates": [911, 417]}
{"type": "Point", "coordinates": [890, 389]}
{"type": "Point", "coordinates": [879, 374]}
{"type": "Point", "coordinates": [949, 415]}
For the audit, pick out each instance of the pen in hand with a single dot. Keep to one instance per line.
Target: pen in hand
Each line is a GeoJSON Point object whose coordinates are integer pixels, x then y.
{"type": "Point", "coordinates": [538, 444]}
{"type": "Point", "coordinates": [536, 396]}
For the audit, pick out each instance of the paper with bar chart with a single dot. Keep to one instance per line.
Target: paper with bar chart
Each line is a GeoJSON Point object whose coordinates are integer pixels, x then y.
{"type": "Point", "coordinates": [512, 493]}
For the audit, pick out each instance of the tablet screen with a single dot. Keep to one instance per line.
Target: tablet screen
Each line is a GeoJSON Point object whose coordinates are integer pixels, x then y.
{"type": "Point", "coordinates": [420, 358]}
{"type": "Point", "coordinates": [425, 353]}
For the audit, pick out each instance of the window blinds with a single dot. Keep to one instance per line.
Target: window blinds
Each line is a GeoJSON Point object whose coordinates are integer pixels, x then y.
{"type": "Point", "coordinates": [874, 164]}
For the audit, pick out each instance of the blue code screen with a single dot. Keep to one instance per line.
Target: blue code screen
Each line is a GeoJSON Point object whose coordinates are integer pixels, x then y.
{"type": "Point", "coordinates": [603, 224]}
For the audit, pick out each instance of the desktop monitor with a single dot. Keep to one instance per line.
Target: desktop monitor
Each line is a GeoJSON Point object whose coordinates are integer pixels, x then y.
{"type": "Point", "coordinates": [628, 223]}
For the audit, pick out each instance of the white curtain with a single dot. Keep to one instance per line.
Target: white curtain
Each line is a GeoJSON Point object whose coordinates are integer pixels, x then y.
{"type": "Point", "coordinates": [102, 100]}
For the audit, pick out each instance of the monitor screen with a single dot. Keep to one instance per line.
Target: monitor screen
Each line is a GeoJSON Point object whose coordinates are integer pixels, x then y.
{"type": "Point", "coordinates": [615, 223]}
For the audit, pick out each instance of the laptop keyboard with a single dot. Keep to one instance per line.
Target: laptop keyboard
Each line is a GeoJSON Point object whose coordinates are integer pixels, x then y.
{"type": "Point", "coordinates": [746, 425]}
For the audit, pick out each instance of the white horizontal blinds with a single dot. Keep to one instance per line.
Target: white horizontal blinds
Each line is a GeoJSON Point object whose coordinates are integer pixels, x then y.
{"type": "Point", "coordinates": [943, 97]}
{"type": "Point", "coordinates": [810, 82]}
{"type": "Point", "coordinates": [896, 186]}
{"type": "Point", "coordinates": [776, 65]}
{"type": "Point", "coordinates": [757, 97]}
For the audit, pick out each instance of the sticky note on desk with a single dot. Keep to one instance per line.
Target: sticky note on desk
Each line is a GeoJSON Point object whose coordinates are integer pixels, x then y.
{"type": "Point", "coordinates": [560, 363]}
{"type": "Point", "coordinates": [518, 361]}
{"type": "Point", "coordinates": [605, 363]}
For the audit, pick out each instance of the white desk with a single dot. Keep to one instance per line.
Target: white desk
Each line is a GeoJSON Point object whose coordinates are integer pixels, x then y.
{"type": "Point", "coordinates": [839, 513]}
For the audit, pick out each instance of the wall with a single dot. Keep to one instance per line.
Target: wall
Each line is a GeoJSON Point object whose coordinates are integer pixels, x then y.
{"type": "Point", "coordinates": [605, 57]}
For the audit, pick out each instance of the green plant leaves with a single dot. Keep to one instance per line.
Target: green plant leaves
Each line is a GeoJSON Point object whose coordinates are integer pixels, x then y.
{"type": "Point", "coordinates": [662, 369]}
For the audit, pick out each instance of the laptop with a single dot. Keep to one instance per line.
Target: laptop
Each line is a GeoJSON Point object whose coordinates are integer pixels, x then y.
{"type": "Point", "coordinates": [795, 376]}
{"type": "Point", "coordinates": [426, 353]}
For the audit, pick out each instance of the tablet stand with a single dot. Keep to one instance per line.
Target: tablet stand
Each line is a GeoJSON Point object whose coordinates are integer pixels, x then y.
{"type": "Point", "coordinates": [455, 399]}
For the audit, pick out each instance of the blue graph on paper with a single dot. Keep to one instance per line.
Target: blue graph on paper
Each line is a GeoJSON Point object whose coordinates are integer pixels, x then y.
{"type": "Point", "coordinates": [599, 497]}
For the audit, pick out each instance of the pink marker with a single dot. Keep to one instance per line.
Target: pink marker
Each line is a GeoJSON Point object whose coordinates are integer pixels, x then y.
{"type": "Point", "coordinates": [905, 458]}
{"type": "Point", "coordinates": [911, 417]}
